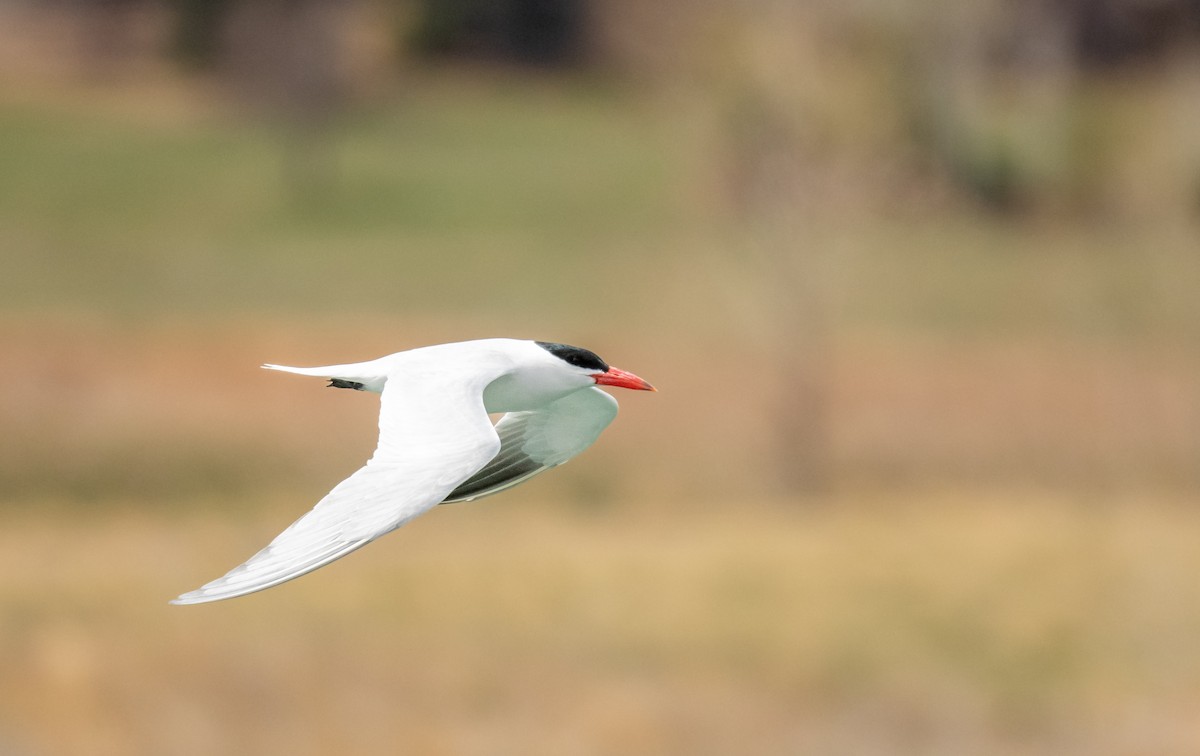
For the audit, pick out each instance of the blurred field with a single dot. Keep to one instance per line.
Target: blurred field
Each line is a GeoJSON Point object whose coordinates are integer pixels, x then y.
{"type": "Point", "coordinates": [949, 624]}
{"type": "Point", "coordinates": [1004, 558]}
{"type": "Point", "coordinates": [960, 347]}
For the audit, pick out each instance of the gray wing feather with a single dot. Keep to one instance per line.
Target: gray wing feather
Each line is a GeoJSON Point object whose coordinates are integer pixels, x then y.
{"type": "Point", "coordinates": [533, 442]}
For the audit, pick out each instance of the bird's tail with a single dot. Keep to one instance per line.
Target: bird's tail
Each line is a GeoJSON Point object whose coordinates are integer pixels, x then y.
{"type": "Point", "coordinates": [364, 376]}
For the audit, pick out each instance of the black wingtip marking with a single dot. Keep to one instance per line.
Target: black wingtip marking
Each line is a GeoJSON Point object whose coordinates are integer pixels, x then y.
{"type": "Point", "coordinates": [341, 383]}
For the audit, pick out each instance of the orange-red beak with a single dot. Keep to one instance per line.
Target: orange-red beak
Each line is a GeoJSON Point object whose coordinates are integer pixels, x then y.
{"type": "Point", "coordinates": [624, 379]}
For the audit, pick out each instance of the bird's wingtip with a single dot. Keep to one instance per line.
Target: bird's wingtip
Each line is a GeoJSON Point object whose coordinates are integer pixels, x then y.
{"type": "Point", "coordinates": [201, 596]}
{"type": "Point", "coordinates": [214, 591]}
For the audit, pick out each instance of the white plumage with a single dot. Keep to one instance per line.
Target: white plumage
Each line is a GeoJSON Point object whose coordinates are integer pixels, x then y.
{"type": "Point", "coordinates": [437, 443]}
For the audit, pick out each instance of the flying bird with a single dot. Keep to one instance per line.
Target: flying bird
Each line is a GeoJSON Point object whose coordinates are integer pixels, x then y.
{"type": "Point", "coordinates": [437, 444]}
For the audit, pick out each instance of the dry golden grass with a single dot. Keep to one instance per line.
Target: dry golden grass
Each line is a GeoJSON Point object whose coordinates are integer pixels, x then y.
{"type": "Point", "coordinates": [598, 610]}
{"type": "Point", "coordinates": [953, 623]}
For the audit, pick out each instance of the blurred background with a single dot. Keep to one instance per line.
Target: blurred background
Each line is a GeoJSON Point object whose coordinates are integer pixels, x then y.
{"type": "Point", "coordinates": [917, 283]}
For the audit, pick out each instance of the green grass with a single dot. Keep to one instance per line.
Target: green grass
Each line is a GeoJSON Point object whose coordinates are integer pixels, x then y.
{"type": "Point", "coordinates": [511, 198]}
{"type": "Point", "coordinates": [968, 276]}
{"type": "Point", "coordinates": [393, 209]}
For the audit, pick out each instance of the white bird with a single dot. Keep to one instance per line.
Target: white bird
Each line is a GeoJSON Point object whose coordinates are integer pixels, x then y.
{"type": "Point", "coordinates": [437, 444]}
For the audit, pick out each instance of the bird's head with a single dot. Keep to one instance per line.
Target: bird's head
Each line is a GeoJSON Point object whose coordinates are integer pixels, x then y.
{"type": "Point", "coordinates": [588, 363]}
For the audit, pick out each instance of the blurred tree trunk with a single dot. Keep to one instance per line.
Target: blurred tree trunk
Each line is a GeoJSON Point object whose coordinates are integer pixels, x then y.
{"type": "Point", "coordinates": [549, 33]}
{"type": "Point", "coordinates": [778, 180]}
{"type": "Point", "coordinates": [285, 58]}
{"type": "Point", "coordinates": [196, 36]}
{"type": "Point", "coordinates": [801, 410]}
{"type": "Point", "coordinates": [109, 34]}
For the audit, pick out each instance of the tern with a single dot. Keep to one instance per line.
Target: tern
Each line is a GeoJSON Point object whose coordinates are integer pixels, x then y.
{"type": "Point", "coordinates": [437, 443]}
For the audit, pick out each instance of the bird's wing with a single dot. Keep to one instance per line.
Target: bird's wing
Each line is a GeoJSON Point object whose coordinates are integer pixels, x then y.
{"type": "Point", "coordinates": [432, 436]}
{"type": "Point", "coordinates": [532, 442]}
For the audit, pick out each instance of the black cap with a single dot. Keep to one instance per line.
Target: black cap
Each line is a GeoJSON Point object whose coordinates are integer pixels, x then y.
{"type": "Point", "coordinates": [577, 356]}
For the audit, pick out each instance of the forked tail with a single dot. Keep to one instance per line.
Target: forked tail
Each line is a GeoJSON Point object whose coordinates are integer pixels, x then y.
{"type": "Point", "coordinates": [363, 376]}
